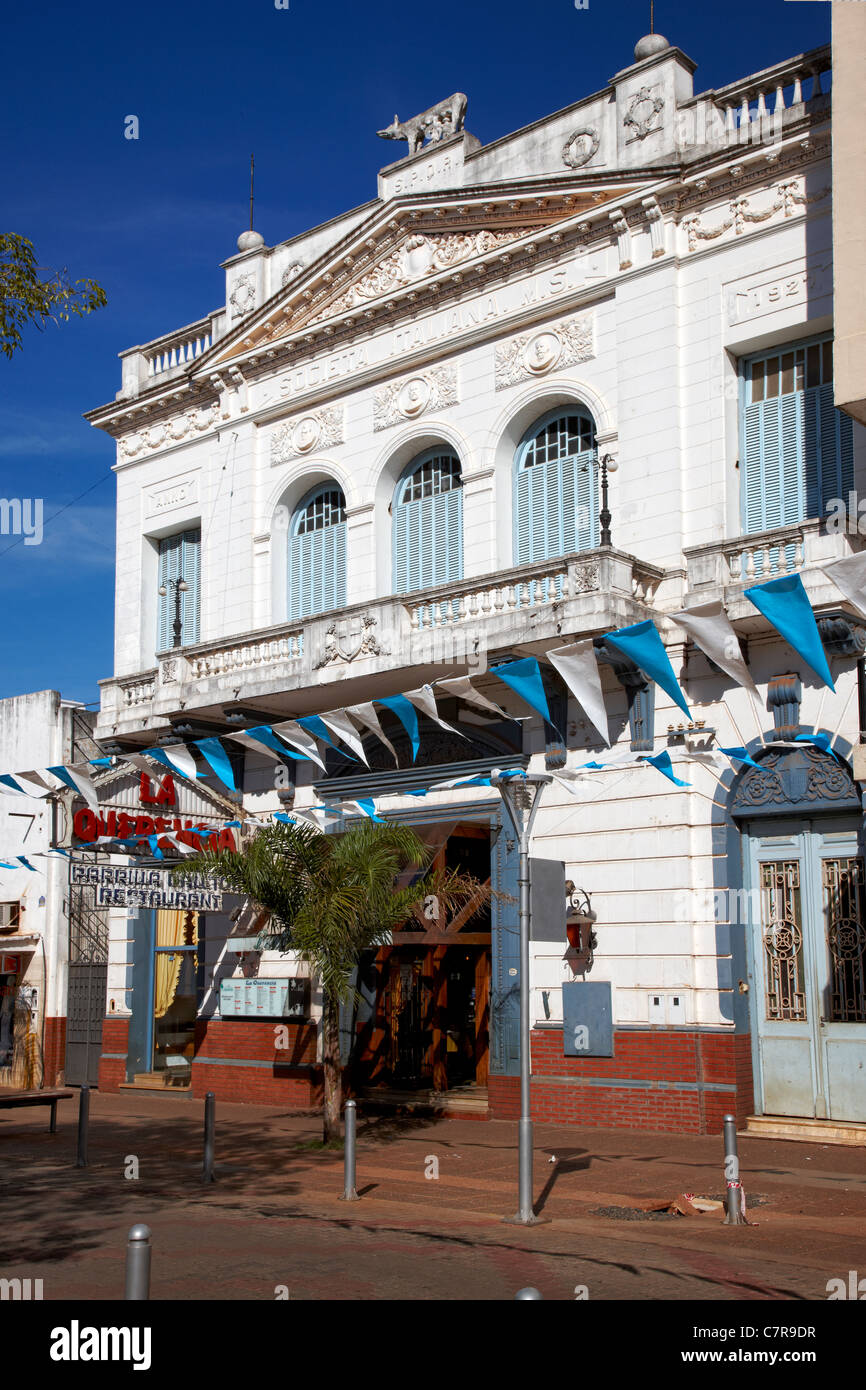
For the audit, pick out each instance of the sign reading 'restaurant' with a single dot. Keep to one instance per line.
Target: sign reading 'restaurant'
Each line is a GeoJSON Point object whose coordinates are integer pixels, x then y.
{"type": "Point", "coordinates": [132, 887]}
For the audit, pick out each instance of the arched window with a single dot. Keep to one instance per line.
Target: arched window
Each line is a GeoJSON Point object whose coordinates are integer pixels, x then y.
{"type": "Point", "coordinates": [428, 523]}
{"type": "Point", "coordinates": [317, 553]}
{"type": "Point", "coordinates": [556, 488]}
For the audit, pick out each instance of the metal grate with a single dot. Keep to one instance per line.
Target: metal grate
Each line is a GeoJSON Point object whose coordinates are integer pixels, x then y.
{"type": "Point", "coordinates": [783, 941]}
{"type": "Point", "coordinates": [846, 939]}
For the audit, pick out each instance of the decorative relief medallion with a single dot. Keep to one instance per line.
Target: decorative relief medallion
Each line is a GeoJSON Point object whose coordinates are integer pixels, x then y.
{"type": "Point", "coordinates": [642, 116]}
{"type": "Point", "coordinates": [419, 256]}
{"type": "Point", "coordinates": [580, 147]}
{"type": "Point", "coordinates": [535, 354]}
{"type": "Point", "coordinates": [243, 297]}
{"type": "Point", "coordinates": [321, 429]}
{"type": "Point", "coordinates": [411, 396]}
{"type": "Point", "coordinates": [793, 776]}
{"type": "Point", "coordinates": [290, 273]}
{"type": "Point", "coordinates": [348, 638]}
{"type": "Point", "coordinates": [192, 422]}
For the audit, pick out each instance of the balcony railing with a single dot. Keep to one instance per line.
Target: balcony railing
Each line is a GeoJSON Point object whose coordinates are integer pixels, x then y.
{"type": "Point", "coordinates": [745, 560]}
{"type": "Point", "coordinates": [753, 109]}
{"type": "Point", "coordinates": [451, 625]}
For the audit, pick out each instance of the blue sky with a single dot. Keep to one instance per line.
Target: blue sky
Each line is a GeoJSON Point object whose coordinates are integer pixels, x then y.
{"type": "Point", "coordinates": [304, 88]}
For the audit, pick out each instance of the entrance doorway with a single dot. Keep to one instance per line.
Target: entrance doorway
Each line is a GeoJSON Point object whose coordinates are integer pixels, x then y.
{"type": "Point", "coordinates": [808, 931]}
{"type": "Point", "coordinates": [429, 1026]}
{"type": "Point", "coordinates": [174, 995]}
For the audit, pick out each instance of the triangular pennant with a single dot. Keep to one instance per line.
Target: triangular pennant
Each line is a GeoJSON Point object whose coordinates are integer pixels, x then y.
{"type": "Point", "coordinates": [262, 739]}
{"type": "Point", "coordinates": [366, 716]}
{"type": "Point", "coordinates": [424, 700]}
{"type": "Point", "coordinates": [849, 576]}
{"type": "Point", "coordinates": [462, 687]}
{"type": "Point", "coordinates": [177, 757]}
{"type": "Point", "coordinates": [317, 727]}
{"type": "Point", "coordinates": [524, 677]}
{"type": "Point", "coordinates": [642, 644]}
{"type": "Point", "coordinates": [300, 739]}
{"type": "Point", "coordinates": [405, 712]}
{"type": "Point", "coordinates": [710, 629]}
{"type": "Point", "coordinates": [578, 666]}
{"type": "Point", "coordinates": [217, 758]}
{"type": "Point", "coordinates": [662, 761]}
{"type": "Point", "coordinates": [339, 723]}
{"type": "Point", "coordinates": [79, 780]}
{"type": "Point", "coordinates": [785, 604]}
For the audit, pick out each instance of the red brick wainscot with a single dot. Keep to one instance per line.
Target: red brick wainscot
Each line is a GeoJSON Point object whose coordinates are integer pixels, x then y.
{"type": "Point", "coordinates": [240, 1061]}
{"type": "Point", "coordinates": [680, 1079]}
{"type": "Point", "coordinates": [115, 1044]}
{"type": "Point", "coordinates": [54, 1051]}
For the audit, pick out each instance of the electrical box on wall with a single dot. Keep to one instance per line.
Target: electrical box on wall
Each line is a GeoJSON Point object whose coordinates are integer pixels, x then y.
{"type": "Point", "coordinates": [667, 1007]}
{"type": "Point", "coordinates": [587, 1019]}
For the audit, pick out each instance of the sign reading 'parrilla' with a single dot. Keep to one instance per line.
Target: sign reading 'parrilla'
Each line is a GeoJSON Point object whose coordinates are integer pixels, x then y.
{"type": "Point", "coordinates": [132, 887]}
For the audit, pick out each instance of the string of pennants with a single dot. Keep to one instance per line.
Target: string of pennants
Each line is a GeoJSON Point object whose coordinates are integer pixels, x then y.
{"type": "Point", "coordinates": [782, 601]}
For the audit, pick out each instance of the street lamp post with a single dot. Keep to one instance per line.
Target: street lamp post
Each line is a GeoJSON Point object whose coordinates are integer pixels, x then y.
{"type": "Point", "coordinates": [608, 465]}
{"type": "Point", "coordinates": [521, 795]}
{"type": "Point", "coordinates": [180, 587]}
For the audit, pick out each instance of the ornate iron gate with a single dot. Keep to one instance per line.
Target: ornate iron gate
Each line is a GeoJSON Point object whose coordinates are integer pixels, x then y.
{"type": "Point", "coordinates": [88, 974]}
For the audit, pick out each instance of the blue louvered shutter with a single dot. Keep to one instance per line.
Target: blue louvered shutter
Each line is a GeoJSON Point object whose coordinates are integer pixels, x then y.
{"type": "Point", "coordinates": [829, 450]}
{"type": "Point", "coordinates": [428, 530]}
{"type": "Point", "coordinates": [179, 557]}
{"type": "Point", "coordinates": [556, 498]}
{"type": "Point", "coordinates": [797, 448]}
{"type": "Point", "coordinates": [317, 555]}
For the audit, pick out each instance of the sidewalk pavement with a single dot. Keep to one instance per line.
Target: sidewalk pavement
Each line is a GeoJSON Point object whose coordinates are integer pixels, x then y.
{"type": "Point", "coordinates": [421, 1182]}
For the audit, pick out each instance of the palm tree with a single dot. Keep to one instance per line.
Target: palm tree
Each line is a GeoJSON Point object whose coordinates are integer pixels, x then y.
{"type": "Point", "coordinates": [332, 897]}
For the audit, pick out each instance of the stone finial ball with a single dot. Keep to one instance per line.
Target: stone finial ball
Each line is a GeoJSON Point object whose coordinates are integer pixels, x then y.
{"type": "Point", "coordinates": [648, 45]}
{"type": "Point", "coordinates": [250, 241]}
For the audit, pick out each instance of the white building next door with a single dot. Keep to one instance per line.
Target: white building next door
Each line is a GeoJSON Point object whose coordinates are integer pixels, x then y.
{"type": "Point", "coordinates": [808, 951]}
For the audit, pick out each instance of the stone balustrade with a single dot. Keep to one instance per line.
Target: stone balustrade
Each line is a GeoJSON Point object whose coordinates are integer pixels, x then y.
{"type": "Point", "coordinates": [754, 110]}
{"type": "Point", "coordinates": [246, 655]}
{"type": "Point", "coordinates": [179, 349]}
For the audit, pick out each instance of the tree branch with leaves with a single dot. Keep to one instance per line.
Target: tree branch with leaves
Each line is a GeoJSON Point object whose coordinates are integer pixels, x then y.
{"type": "Point", "coordinates": [26, 297]}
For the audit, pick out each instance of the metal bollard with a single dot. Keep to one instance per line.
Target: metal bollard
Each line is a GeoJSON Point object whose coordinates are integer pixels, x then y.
{"type": "Point", "coordinates": [525, 1294]}
{"type": "Point", "coordinates": [734, 1215]}
{"type": "Point", "coordinates": [83, 1122]}
{"type": "Point", "coordinates": [349, 1193]}
{"type": "Point", "coordinates": [137, 1286]}
{"type": "Point", "coordinates": [209, 1125]}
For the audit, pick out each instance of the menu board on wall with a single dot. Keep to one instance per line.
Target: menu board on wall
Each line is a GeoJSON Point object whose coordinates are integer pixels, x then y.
{"type": "Point", "coordinates": [258, 998]}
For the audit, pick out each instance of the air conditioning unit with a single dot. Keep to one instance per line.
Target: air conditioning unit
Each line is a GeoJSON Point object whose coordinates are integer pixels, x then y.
{"type": "Point", "coordinates": [10, 916]}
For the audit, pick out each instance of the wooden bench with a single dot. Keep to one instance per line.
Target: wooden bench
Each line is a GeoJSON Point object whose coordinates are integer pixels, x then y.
{"type": "Point", "coordinates": [10, 1100]}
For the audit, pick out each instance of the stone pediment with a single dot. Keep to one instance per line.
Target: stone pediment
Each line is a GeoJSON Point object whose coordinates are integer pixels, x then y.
{"type": "Point", "coordinates": [398, 254]}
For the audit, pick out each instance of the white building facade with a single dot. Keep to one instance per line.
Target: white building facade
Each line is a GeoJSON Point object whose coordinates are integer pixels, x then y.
{"type": "Point", "coordinates": [379, 464]}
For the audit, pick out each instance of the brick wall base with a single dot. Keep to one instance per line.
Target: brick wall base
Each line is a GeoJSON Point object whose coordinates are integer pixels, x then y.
{"type": "Point", "coordinates": [115, 1043]}
{"type": "Point", "coordinates": [683, 1080]}
{"type": "Point", "coordinates": [54, 1052]}
{"type": "Point", "coordinates": [241, 1062]}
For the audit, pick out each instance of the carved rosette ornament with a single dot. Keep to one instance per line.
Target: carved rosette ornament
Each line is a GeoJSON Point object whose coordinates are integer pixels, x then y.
{"type": "Point", "coordinates": [167, 432]}
{"type": "Point", "coordinates": [642, 117]}
{"type": "Point", "coordinates": [419, 256]}
{"type": "Point", "coordinates": [243, 296]}
{"type": "Point", "coordinates": [535, 354]}
{"type": "Point", "coordinates": [321, 429]}
{"type": "Point", "coordinates": [410, 397]}
{"type": "Point", "coordinates": [585, 577]}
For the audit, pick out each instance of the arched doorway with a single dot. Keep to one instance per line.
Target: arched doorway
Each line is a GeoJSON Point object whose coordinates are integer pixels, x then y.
{"type": "Point", "coordinates": [803, 861]}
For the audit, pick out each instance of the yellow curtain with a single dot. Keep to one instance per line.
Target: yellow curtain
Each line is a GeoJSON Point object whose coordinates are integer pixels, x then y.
{"type": "Point", "coordinates": [171, 929]}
